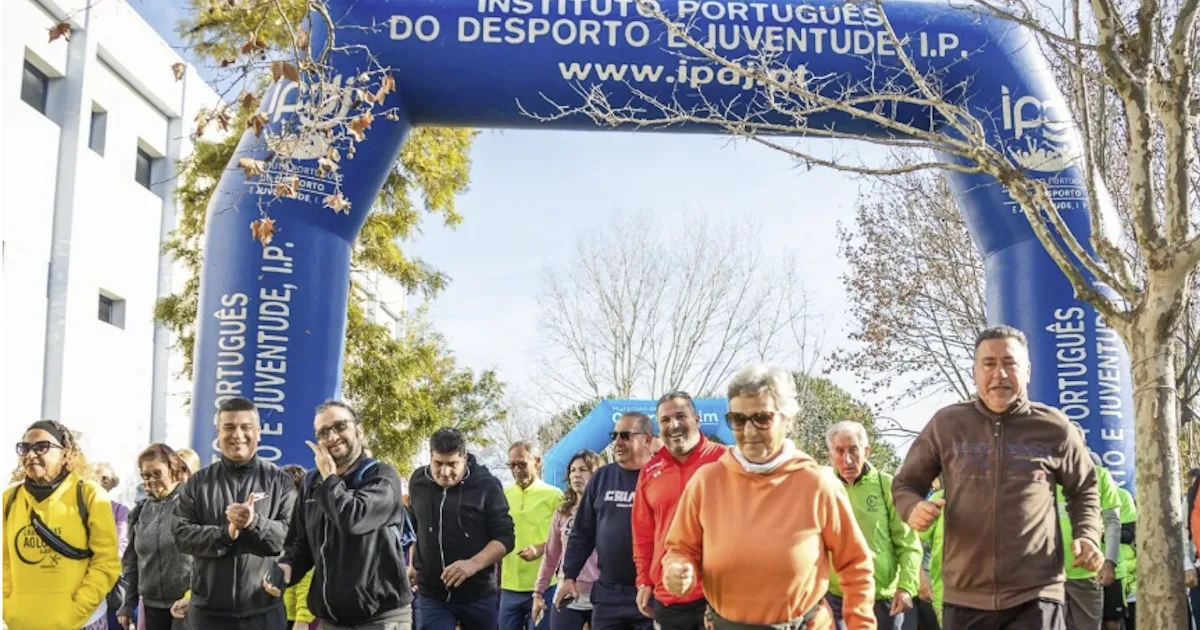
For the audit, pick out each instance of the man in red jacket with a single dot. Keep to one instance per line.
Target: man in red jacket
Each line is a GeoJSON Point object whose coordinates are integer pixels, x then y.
{"type": "Point", "coordinates": [659, 487]}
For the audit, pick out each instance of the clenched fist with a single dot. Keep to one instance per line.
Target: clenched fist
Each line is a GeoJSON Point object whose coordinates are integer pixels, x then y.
{"type": "Point", "coordinates": [678, 575]}
{"type": "Point", "coordinates": [925, 514]}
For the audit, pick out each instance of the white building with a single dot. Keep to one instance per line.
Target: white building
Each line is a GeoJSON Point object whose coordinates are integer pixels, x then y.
{"type": "Point", "coordinates": [92, 128]}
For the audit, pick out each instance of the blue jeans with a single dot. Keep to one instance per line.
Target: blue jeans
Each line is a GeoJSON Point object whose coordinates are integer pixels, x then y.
{"type": "Point", "coordinates": [435, 614]}
{"type": "Point", "coordinates": [516, 608]}
{"type": "Point", "coordinates": [883, 617]}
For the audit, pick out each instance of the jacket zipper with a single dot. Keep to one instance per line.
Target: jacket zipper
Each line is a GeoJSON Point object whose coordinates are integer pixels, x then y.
{"type": "Point", "coordinates": [997, 433]}
{"type": "Point", "coordinates": [441, 530]}
{"type": "Point", "coordinates": [324, 581]}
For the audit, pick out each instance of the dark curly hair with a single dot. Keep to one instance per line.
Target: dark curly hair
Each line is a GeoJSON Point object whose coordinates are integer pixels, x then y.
{"type": "Point", "coordinates": [165, 455]}
{"type": "Point", "coordinates": [570, 497]}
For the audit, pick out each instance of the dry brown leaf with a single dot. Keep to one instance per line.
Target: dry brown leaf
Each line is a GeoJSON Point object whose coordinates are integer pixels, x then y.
{"type": "Point", "coordinates": [285, 70]}
{"type": "Point", "coordinates": [225, 63]}
{"type": "Point", "coordinates": [257, 122]}
{"type": "Point", "coordinates": [387, 84]}
{"type": "Point", "coordinates": [223, 117]}
{"type": "Point", "coordinates": [334, 155]}
{"type": "Point", "coordinates": [337, 202]}
{"type": "Point", "coordinates": [179, 69]}
{"type": "Point", "coordinates": [288, 187]}
{"type": "Point", "coordinates": [62, 29]}
{"type": "Point", "coordinates": [302, 39]}
{"type": "Point", "coordinates": [252, 167]}
{"type": "Point", "coordinates": [248, 100]}
{"type": "Point", "coordinates": [263, 230]}
{"type": "Point", "coordinates": [201, 121]}
{"type": "Point", "coordinates": [364, 96]}
{"type": "Point", "coordinates": [253, 45]}
{"type": "Point", "coordinates": [325, 166]}
{"type": "Point", "coordinates": [359, 124]}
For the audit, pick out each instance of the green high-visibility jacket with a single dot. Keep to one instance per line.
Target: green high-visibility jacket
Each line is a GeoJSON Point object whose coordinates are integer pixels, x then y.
{"type": "Point", "coordinates": [896, 547]}
{"type": "Point", "coordinates": [1109, 500]}
{"type": "Point", "coordinates": [1127, 569]}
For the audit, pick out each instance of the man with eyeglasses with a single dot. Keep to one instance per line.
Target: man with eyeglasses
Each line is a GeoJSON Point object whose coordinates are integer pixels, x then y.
{"type": "Point", "coordinates": [531, 503]}
{"type": "Point", "coordinates": [347, 528]}
{"type": "Point", "coordinates": [603, 523]}
{"type": "Point", "coordinates": [233, 518]}
{"type": "Point", "coordinates": [660, 485]}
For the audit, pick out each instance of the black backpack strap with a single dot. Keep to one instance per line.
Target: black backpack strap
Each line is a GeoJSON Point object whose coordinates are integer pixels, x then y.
{"type": "Point", "coordinates": [83, 510]}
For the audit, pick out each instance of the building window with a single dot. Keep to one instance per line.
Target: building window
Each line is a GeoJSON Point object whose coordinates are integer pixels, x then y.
{"type": "Point", "coordinates": [145, 165]}
{"type": "Point", "coordinates": [112, 309]}
{"type": "Point", "coordinates": [98, 129]}
{"type": "Point", "coordinates": [34, 87]}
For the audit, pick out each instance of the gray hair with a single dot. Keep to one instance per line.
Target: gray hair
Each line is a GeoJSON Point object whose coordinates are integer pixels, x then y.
{"type": "Point", "coordinates": [847, 427]}
{"type": "Point", "coordinates": [525, 445]}
{"type": "Point", "coordinates": [1001, 332]}
{"type": "Point", "coordinates": [759, 379]}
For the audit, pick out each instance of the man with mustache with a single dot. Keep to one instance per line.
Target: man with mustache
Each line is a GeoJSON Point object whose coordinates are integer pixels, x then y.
{"type": "Point", "coordinates": [233, 518]}
{"type": "Point", "coordinates": [346, 528]}
{"type": "Point", "coordinates": [602, 524]}
{"type": "Point", "coordinates": [531, 503]}
{"type": "Point", "coordinates": [1001, 456]}
{"type": "Point", "coordinates": [659, 487]}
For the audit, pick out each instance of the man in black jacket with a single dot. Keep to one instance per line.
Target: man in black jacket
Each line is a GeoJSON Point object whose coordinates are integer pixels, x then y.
{"type": "Point", "coordinates": [347, 527]}
{"type": "Point", "coordinates": [463, 530]}
{"type": "Point", "coordinates": [233, 517]}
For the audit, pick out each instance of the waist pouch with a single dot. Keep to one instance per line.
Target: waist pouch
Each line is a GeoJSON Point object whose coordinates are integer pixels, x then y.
{"type": "Point", "coordinates": [713, 621]}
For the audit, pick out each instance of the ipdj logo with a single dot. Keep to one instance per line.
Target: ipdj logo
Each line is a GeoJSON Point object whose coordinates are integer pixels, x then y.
{"type": "Point", "coordinates": [315, 110]}
{"type": "Point", "coordinates": [1041, 132]}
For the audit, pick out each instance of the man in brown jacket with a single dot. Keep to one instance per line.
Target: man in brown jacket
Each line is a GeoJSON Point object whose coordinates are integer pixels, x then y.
{"type": "Point", "coordinates": [1001, 456]}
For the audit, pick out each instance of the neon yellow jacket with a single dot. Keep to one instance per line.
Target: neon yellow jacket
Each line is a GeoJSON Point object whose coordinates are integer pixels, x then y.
{"type": "Point", "coordinates": [43, 589]}
{"type": "Point", "coordinates": [1127, 569]}
{"type": "Point", "coordinates": [295, 600]}
{"type": "Point", "coordinates": [1109, 500]}
{"type": "Point", "coordinates": [531, 509]}
{"type": "Point", "coordinates": [935, 536]}
{"type": "Point", "coordinates": [896, 548]}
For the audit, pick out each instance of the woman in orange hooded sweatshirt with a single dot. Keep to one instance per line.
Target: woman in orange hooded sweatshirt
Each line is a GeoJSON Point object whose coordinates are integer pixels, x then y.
{"type": "Point", "coordinates": [763, 526]}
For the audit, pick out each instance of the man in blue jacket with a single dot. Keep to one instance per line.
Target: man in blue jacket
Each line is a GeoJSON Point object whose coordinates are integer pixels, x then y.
{"type": "Point", "coordinates": [348, 526]}
{"type": "Point", "coordinates": [604, 523]}
{"type": "Point", "coordinates": [463, 530]}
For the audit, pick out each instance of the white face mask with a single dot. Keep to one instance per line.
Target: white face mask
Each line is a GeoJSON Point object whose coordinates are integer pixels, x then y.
{"type": "Point", "coordinates": [785, 455]}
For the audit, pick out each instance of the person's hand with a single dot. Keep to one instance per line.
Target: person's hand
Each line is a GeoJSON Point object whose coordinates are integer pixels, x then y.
{"type": "Point", "coordinates": [537, 609]}
{"type": "Point", "coordinates": [1190, 578]}
{"type": "Point", "coordinates": [240, 515]}
{"type": "Point", "coordinates": [530, 553]}
{"type": "Point", "coordinates": [925, 592]}
{"type": "Point", "coordinates": [412, 577]}
{"type": "Point", "coordinates": [1107, 574]}
{"type": "Point", "coordinates": [179, 609]}
{"type": "Point", "coordinates": [925, 514]}
{"type": "Point", "coordinates": [457, 573]}
{"type": "Point", "coordinates": [565, 587]}
{"type": "Point", "coordinates": [287, 579]}
{"type": "Point", "coordinates": [322, 459]}
{"type": "Point", "coordinates": [901, 603]}
{"type": "Point", "coordinates": [678, 576]}
{"type": "Point", "coordinates": [1087, 555]}
{"type": "Point", "coordinates": [644, 593]}
{"type": "Point", "coordinates": [300, 625]}
{"type": "Point", "coordinates": [125, 622]}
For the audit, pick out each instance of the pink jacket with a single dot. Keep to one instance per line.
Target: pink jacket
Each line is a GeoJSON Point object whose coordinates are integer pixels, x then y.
{"type": "Point", "coordinates": [560, 530]}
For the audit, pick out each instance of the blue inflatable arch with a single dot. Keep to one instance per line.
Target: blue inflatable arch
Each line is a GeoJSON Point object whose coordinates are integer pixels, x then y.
{"type": "Point", "coordinates": [593, 430]}
{"type": "Point", "coordinates": [272, 320]}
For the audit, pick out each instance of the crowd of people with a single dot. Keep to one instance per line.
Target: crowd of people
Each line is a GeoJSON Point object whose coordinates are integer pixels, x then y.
{"type": "Point", "coordinates": [999, 518]}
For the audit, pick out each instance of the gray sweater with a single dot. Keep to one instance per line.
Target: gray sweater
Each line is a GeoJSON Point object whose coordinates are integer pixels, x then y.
{"type": "Point", "coordinates": [152, 568]}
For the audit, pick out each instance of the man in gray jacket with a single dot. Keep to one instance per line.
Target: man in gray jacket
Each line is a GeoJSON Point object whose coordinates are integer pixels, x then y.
{"type": "Point", "coordinates": [233, 518]}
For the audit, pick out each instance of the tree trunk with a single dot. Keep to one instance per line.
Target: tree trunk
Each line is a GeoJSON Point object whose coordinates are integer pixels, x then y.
{"type": "Point", "coordinates": [1161, 592]}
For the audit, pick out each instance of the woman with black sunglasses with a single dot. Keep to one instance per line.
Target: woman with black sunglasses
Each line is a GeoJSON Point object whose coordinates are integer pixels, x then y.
{"type": "Point", "coordinates": [60, 539]}
{"type": "Point", "coordinates": [153, 569]}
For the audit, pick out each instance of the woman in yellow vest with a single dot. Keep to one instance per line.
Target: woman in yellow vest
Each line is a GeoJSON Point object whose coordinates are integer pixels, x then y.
{"type": "Point", "coordinates": [60, 539]}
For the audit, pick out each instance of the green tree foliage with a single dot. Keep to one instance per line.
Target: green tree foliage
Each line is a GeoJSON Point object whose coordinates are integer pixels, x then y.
{"type": "Point", "coordinates": [563, 422]}
{"type": "Point", "coordinates": [406, 386]}
{"type": "Point", "coordinates": [823, 404]}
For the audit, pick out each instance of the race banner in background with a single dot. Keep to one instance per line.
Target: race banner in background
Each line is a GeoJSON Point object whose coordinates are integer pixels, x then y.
{"type": "Point", "coordinates": [272, 320]}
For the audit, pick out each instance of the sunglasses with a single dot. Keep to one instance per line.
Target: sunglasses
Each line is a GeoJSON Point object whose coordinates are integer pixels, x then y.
{"type": "Point", "coordinates": [762, 420]}
{"type": "Point", "coordinates": [152, 476]}
{"type": "Point", "coordinates": [38, 448]}
{"type": "Point", "coordinates": [337, 427]}
{"type": "Point", "coordinates": [624, 435]}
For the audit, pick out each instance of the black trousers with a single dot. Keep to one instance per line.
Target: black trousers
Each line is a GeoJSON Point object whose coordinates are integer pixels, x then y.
{"type": "Point", "coordinates": [689, 616]}
{"type": "Point", "coordinates": [1039, 614]}
{"type": "Point", "coordinates": [161, 619]}
{"type": "Point", "coordinates": [274, 619]}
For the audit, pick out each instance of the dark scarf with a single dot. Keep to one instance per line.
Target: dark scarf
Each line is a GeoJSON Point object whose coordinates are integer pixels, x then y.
{"type": "Point", "coordinates": [41, 491]}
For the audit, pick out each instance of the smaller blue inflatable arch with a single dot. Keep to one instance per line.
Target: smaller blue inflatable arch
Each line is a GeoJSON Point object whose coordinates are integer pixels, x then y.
{"type": "Point", "coordinates": [592, 431]}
